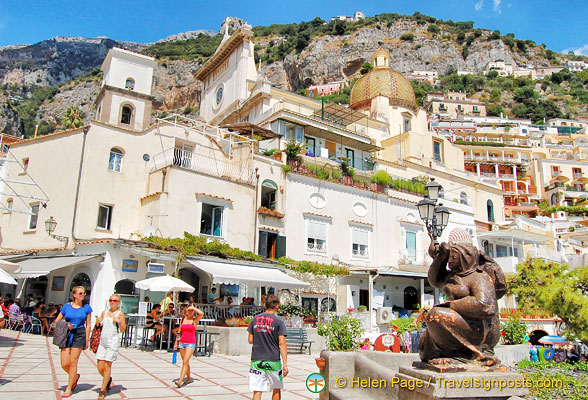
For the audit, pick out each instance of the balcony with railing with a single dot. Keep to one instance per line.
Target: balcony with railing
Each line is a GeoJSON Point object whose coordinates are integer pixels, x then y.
{"type": "Point", "coordinates": [220, 166]}
{"type": "Point", "coordinates": [578, 175]}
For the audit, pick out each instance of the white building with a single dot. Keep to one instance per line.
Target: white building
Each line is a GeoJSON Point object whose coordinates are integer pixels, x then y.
{"type": "Point", "coordinates": [499, 66]}
{"type": "Point", "coordinates": [575, 66]}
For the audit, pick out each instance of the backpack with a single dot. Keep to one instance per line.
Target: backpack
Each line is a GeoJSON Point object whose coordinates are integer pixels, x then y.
{"type": "Point", "coordinates": [60, 334]}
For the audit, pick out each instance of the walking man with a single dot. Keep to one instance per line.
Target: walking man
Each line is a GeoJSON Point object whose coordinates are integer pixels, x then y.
{"type": "Point", "coordinates": [267, 334]}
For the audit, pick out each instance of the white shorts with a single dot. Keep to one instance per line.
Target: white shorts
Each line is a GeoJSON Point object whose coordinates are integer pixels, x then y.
{"type": "Point", "coordinates": [265, 376]}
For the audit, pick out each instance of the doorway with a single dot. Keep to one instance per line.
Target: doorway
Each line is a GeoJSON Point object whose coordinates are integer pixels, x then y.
{"type": "Point", "coordinates": [364, 297]}
{"type": "Point", "coordinates": [267, 244]}
{"type": "Point", "coordinates": [332, 148]}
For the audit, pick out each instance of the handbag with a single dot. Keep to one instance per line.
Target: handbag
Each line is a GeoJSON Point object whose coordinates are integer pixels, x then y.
{"type": "Point", "coordinates": [95, 337]}
{"type": "Point", "coordinates": [60, 334]}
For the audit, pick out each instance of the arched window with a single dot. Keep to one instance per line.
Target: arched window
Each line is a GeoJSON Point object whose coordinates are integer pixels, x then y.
{"type": "Point", "coordinates": [130, 84]}
{"type": "Point", "coordinates": [82, 279]}
{"type": "Point", "coordinates": [411, 298]}
{"type": "Point", "coordinates": [554, 199]}
{"type": "Point", "coordinates": [126, 115]}
{"type": "Point", "coordinates": [125, 286]}
{"type": "Point", "coordinates": [463, 198]}
{"type": "Point", "coordinates": [115, 160]}
{"type": "Point", "coordinates": [268, 194]}
{"type": "Point", "coordinates": [490, 209]}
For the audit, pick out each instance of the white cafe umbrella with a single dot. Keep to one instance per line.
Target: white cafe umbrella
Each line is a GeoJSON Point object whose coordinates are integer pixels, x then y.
{"type": "Point", "coordinates": [164, 283]}
{"type": "Point", "coordinates": [5, 278]}
{"type": "Point", "coordinates": [9, 267]}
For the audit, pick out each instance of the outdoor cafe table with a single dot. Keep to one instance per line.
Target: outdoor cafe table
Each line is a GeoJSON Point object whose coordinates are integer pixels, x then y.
{"type": "Point", "coordinates": [170, 324]}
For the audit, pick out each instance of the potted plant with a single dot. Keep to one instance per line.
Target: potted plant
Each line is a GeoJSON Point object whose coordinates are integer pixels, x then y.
{"type": "Point", "coordinates": [341, 334]}
{"type": "Point", "coordinates": [320, 363]}
{"type": "Point", "coordinates": [293, 150]}
{"type": "Point", "coordinates": [362, 309]}
{"type": "Point", "coordinates": [379, 180]}
{"type": "Point", "coordinates": [347, 172]}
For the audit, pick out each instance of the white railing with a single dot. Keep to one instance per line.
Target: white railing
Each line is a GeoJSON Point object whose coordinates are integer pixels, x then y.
{"type": "Point", "coordinates": [414, 257]}
{"type": "Point", "coordinates": [506, 176]}
{"type": "Point", "coordinates": [316, 247]}
{"type": "Point", "coordinates": [546, 254]}
{"type": "Point", "coordinates": [177, 157]}
{"type": "Point", "coordinates": [578, 174]}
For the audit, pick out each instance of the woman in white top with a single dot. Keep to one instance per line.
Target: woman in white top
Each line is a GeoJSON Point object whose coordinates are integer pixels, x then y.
{"type": "Point", "coordinates": [113, 325]}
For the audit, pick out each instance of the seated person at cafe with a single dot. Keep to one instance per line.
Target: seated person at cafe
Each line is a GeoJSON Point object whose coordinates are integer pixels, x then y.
{"type": "Point", "coordinates": [231, 309]}
{"type": "Point", "coordinates": [153, 320]}
{"type": "Point", "coordinates": [220, 301]}
{"type": "Point", "coordinates": [211, 296]}
{"type": "Point", "coordinates": [170, 311]}
{"type": "Point", "coordinates": [167, 300]}
{"type": "Point", "coordinates": [244, 302]}
{"type": "Point", "coordinates": [39, 312]}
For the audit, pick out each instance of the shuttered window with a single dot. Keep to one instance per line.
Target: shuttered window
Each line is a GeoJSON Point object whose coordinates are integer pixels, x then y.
{"type": "Point", "coordinates": [359, 242]}
{"type": "Point", "coordinates": [316, 233]}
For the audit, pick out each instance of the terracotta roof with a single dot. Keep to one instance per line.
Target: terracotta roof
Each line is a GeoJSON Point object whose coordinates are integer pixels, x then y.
{"type": "Point", "coordinates": [269, 229]}
{"type": "Point", "coordinates": [151, 195]}
{"type": "Point", "coordinates": [213, 197]}
{"type": "Point", "coordinates": [351, 221]}
{"type": "Point", "coordinates": [58, 133]}
{"type": "Point", "coordinates": [81, 242]}
{"type": "Point", "coordinates": [317, 215]}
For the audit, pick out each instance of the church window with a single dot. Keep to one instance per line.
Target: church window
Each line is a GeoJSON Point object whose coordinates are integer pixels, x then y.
{"type": "Point", "coordinates": [115, 160]}
{"type": "Point", "coordinates": [130, 84]}
{"type": "Point", "coordinates": [126, 115]}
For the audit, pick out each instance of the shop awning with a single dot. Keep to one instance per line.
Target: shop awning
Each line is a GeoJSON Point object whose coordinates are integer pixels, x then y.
{"type": "Point", "coordinates": [242, 274]}
{"type": "Point", "coordinates": [517, 235]}
{"type": "Point", "coordinates": [35, 267]}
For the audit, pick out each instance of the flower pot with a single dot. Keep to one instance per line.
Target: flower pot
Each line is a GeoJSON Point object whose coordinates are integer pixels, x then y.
{"type": "Point", "coordinates": [320, 363]}
{"type": "Point", "coordinates": [278, 156]}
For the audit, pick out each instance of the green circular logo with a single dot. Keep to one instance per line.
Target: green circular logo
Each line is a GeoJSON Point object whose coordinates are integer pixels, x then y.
{"type": "Point", "coordinates": [315, 383]}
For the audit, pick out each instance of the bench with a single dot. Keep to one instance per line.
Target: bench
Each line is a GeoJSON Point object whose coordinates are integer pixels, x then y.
{"type": "Point", "coordinates": [297, 337]}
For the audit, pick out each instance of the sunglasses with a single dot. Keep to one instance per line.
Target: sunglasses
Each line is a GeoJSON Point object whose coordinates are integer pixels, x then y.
{"type": "Point", "coordinates": [82, 294]}
{"type": "Point", "coordinates": [113, 301]}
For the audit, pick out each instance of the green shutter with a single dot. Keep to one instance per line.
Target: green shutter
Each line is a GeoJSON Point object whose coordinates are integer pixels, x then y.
{"type": "Point", "coordinates": [280, 246]}
{"type": "Point", "coordinates": [262, 249]}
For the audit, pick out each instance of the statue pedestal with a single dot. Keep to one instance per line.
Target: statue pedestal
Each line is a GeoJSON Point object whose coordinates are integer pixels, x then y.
{"type": "Point", "coordinates": [422, 384]}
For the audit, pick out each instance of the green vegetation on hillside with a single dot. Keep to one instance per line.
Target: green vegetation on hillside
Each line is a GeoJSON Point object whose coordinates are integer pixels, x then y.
{"type": "Point", "coordinates": [518, 97]}
{"type": "Point", "coordinates": [200, 47]}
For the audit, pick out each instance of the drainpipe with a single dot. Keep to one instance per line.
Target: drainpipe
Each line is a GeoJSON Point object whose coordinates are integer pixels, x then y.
{"type": "Point", "coordinates": [255, 210]}
{"type": "Point", "coordinates": [75, 210]}
{"type": "Point", "coordinates": [372, 278]}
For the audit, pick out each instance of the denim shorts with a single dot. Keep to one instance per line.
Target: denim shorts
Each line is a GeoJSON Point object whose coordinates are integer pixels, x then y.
{"type": "Point", "coordinates": [186, 345]}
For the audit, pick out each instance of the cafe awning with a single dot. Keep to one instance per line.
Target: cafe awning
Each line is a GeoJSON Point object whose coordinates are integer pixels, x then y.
{"type": "Point", "coordinates": [35, 267]}
{"type": "Point", "coordinates": [243, 274]}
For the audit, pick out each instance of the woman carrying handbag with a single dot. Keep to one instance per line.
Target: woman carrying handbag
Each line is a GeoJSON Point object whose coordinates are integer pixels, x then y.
{"type": "Point", "coordinates": [113, 323]}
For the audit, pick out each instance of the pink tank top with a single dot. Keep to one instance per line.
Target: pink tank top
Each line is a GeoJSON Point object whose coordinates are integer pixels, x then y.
{"type": "Point", "coordinates": [188, 333]}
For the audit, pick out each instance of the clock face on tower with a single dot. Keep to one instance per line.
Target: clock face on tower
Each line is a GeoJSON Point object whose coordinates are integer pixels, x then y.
{"type": "Point", "coordinates": [219, 95]}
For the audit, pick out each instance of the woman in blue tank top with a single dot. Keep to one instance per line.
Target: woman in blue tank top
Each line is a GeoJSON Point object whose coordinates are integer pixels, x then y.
{"type": "Point", "coordinates": [78, 317]}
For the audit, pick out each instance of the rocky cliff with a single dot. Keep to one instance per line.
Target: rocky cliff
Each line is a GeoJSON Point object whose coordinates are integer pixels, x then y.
{"type": "Point", "coordinates": [324, 58]}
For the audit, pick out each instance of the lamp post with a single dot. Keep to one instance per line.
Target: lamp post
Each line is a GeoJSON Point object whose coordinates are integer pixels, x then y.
{"type": "Point", "coordinates": [435, 217]}
{"type": "Point", "coordinates": [50, 226]}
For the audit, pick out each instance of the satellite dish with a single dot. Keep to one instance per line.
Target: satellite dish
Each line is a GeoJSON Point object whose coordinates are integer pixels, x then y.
{"type": "Point", "coordinates": [148, 231]}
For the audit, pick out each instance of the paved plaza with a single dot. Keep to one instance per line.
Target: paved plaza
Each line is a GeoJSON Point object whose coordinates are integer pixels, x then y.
{"type": "Point", "coordinates": [30, 370]}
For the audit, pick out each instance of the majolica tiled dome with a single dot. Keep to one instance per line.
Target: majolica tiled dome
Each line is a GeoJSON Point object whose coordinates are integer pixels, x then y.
{"type": "Point", "coordinates": [382, 81]}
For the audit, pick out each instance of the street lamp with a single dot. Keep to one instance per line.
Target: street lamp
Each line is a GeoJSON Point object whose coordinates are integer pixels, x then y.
{"type": "Point", "coordinates": [435, 217]}
{"type": "Point", "coordinates": [50, 226]}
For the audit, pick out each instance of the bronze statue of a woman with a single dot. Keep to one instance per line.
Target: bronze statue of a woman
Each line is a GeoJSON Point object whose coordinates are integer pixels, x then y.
{"type": "Point", "coordinates": [467, 326]}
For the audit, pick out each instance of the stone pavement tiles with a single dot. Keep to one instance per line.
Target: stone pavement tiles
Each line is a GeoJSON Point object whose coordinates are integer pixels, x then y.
{"type": "Point", "coordinates": [30, 370]}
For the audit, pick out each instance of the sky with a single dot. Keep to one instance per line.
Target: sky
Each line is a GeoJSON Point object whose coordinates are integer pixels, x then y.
{"type": "Point", "coordinates": [561, 25]}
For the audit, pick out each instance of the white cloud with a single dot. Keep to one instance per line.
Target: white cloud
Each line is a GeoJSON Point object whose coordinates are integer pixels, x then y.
{"type": "Point", "coordinates": [479, 5]}
{"type": "Point", "coordinates": [497, 6]}
{"type": "Point", "coordinates": [580, 51]}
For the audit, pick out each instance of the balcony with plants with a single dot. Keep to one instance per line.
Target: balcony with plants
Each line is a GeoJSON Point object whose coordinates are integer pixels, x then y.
{"type": "Point", "coordinates": [342, 173]}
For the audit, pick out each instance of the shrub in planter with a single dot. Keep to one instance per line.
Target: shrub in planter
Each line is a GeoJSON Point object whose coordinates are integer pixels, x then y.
{"type": "Point", "coordinates": [405, 325]}
{"type": "Point", "coordinates": [336, 174]}
{"type": "Point", "coordinates": [270, 152]}
{"type": "Point", "coordinates": [362, 308]}
{"type": "Point", "coordinates": [381, 178]}
{"type": "Point", "coordinates": [312, 168]}
{"type": "Point", "coordinates": [322, 174]}
{"type": "Point", "coordinates": [293, 150]}
{"type": "Point", "coordinates": [514, 329]}
{"type": "Point", "coordinates": [286, 168]}
{"type": "Point", "coordinates": [341, 334]}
